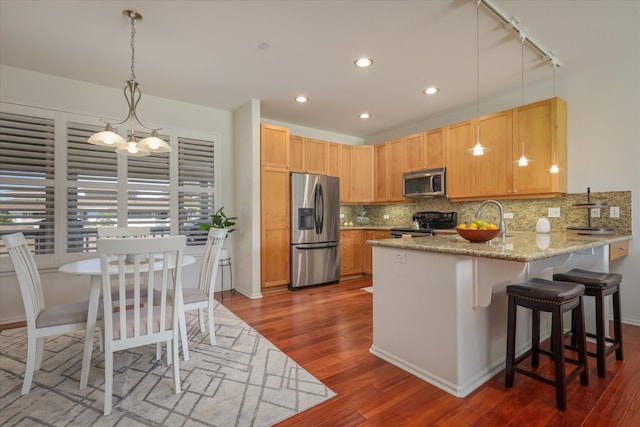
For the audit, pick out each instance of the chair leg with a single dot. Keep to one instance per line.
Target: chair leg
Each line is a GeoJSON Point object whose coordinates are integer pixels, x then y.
{"type": "Point", "coordinates": [557, 337]}
{"type": "Point", "coordinates": [183, 335]}
{"type": "Point", "coordinates": [201, 319]}
{"type": "Point", "coordinates": [600, 338]}
{"type": "Point", "coordinates": [108, 380]}
{"type": "Point", "coordinates": [511, 341]}
{"type": "Point", "coordinates": [617, 323]}
{"type": "Point", "coordinates": [31, 363]}
{"type": "Point", "coordinates": [176, 363]}
{"type": "Point", "coordinates": [212, 332]}
{"type": "Point", "coordinates": [39, 352]}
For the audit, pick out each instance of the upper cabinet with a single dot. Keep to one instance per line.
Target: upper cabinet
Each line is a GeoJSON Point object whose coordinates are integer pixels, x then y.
{"type": "Point", "coordinates": [308, 155]}
{"type": "Point", "coordinates": [345, 169]}
{"type": "Point", "coordinates": [362, 174]}
{"type": "Point", "coordinates": [274, 146]}
{"type": "Point", "coordinates": [415, 152]}
{"type": "Point", "coordinates": [542, 126]}
{"type": "Point", "coordinates": [389, 161]}
{"type": "Point", "coordinates": [433, 151]}
{"type": "Point", "coordinates": [333, 155]}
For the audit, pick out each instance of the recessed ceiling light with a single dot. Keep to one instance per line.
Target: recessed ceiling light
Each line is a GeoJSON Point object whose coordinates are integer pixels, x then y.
{"type": "Point", "coordinates": [363, 62]}
{"type": "Point", "coordinates": [431, 90]}
{"type": "Point", "coordinates": [301, 99]}
{"type": "Point", "coordinates": [365, 115]}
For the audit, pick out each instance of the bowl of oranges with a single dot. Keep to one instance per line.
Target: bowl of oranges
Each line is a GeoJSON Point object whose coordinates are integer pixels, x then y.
{"type": "Point", "coordinates": [478, 231]}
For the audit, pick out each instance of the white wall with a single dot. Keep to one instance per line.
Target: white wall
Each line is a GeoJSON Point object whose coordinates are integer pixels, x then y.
{"type": "Point", "coordinates": [41, 90]}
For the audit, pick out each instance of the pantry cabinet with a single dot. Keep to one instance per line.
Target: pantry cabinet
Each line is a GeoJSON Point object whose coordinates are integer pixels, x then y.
{"type": "Point", "coordinates": [274, 204]}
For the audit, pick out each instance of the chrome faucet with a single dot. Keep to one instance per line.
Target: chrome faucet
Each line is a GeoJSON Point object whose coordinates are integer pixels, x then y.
{"type": "Point", "coordinates": [502, 226]}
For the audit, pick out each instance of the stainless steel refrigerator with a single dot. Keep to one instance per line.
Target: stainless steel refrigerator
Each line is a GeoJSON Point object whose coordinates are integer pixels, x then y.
{"type": "Point", "coordinates": [315, 229]}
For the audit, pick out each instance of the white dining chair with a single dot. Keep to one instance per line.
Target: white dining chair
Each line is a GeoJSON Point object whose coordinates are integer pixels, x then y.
{"type": "Point", "coordinates": [123, 231]}
{"type": "Point", "coordinates": [202, 297]}
{"type": "Point", "coordinates": [42, 321]}
{"type": "Point", "coordinates": [157, 263]}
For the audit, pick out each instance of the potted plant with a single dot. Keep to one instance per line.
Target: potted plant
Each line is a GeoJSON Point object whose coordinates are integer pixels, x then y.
{"type": "Point", "coordinates": [220, 220]}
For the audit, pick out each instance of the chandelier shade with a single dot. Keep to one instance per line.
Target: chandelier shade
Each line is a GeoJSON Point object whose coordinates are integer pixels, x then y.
{"type": "Point", "coordinates": [132, 93]}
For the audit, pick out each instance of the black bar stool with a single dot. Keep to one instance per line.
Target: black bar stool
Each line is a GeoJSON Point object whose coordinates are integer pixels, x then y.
{"type": "Point", "coordinates": [599, 285]}
{"type": "Point", "coordinates": [556, 298]}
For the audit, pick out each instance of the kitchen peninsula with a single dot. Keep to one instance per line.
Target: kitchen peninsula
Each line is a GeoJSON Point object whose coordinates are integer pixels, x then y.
{"type": "Point", "coordinates": [440, 307]}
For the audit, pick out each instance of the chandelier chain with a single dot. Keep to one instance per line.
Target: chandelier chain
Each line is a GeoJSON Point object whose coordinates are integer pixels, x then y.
{"type": "Point", "coordinates": [133, 49]}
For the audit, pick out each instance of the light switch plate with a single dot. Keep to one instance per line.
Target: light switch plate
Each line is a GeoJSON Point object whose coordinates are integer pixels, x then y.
{"type": "Point", "coordinates": [386, 216]}
{"type": "Point", "coordinates": [595, 213]}
{"type": "Point", "coordinates": [508, 215]}
{"type": "Point", "coordinates": [341, 216]}
{"type": "Point", "coordinates": [554, 212]}
{"type": "Point", "coordinates": [399, 258]}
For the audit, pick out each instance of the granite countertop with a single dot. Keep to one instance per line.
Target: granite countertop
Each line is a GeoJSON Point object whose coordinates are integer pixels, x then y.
{"type": "Point", "coordinates": [519, 245]}
{"type": "Point", "coordinates": [365, 227]}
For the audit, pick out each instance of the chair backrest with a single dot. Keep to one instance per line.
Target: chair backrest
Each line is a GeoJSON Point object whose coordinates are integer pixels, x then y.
{"type": "Point", "coordinates": [28, 276]}
{"type": "Point", "coordinates": [157, 263]}
{"type": "Point", "coordinates": [209, 267]}
{"type": "Point", "coordinates": [124, 231]}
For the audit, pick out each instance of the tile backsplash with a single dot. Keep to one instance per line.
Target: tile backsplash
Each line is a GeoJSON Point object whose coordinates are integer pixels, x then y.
{"type": "Point", "coordinates": [525, 212]}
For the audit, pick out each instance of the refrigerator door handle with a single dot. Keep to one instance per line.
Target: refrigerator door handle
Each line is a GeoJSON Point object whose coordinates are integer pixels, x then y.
{"type": "Point", "coordinates": [316, 219]}
{"type": "Point", "coordinates": [321, 213]}
{"type": "Point", "coordinates": [316, 245]}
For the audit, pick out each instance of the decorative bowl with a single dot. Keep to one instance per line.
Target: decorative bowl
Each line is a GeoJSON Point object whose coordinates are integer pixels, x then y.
{"type": "Point", "coordinates": [478, 235]}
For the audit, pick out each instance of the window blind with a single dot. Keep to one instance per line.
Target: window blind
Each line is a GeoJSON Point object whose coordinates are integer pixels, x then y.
{"type": "Point", "coordinates": [27, 180]}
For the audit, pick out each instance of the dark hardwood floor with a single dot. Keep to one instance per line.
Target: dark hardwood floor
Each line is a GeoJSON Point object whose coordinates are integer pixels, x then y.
{"type": "Point", "coordinates": [328, 331]}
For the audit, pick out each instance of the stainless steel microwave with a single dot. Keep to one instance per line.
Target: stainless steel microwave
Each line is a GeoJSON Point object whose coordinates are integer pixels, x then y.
{"type": "Point", "coordinates": [424, 183]}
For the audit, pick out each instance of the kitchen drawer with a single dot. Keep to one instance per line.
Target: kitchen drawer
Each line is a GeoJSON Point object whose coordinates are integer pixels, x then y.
{"type": "Point", "coordinates": [618, 250]}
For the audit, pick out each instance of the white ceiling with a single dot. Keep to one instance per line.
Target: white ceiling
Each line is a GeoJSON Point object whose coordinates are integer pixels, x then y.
{"type": "Point", "coordinates": [206, 52]}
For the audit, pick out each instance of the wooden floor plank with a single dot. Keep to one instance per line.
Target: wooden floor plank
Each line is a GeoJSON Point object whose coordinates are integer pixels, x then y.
{"type": "Point", "coordinates": [328, 331]}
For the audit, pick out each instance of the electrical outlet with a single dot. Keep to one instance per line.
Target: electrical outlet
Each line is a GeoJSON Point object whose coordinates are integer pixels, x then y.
{"type": "Point", "coordinates": [508, 215]}
{"type": "Point", "coordinates": [386, 216]}
{"type": "Point", "coordinates": [554, 212]}
{"type": "Point", "coordinates": [341, 216]}
{"type": "Point", "coordinates": [400, 258]}
{"type": "Point", "coordinates": [614, 212]}
{"type": "Point", "coordinates": [595, 213]}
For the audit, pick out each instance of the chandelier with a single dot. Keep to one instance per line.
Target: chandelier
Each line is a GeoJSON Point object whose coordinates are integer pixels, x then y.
{"type": "Point", "coordinates": [132, 93]}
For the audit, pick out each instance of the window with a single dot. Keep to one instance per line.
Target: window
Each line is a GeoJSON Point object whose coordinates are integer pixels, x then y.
{"type": "Point", "coordinates": [27, 180]}
{"type": "Point", "coordinates": [172, 193]}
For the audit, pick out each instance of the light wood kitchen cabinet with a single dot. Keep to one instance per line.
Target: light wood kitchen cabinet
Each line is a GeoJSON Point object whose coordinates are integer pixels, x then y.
{"type": "Point", "coordinates": [362, 174]}
{"type": "Point", "coordinates": [389, 161]}
{"type": "Point", "coordinates": [274, 204]}
{"type": "Point", "coordinates": [415, 152]}
{"type": "Point", "coordinates": [333, 154]}
{"type": "Point", "coordinates": [618, 250]}
{"type": "Point", "coordinates": [296, 153]}
{"type": "Point", "coordinates": [493, 174]}
{"type": "Point", "coordinates": [367, 250]}
{"type": "Point", "coordinates": [315, 156]}
{"type": "Point", "coordinates": [460, 164]}
{"type": "Point", "coordinates": [542, 126]}
{"type": "Point", "coordinates": [433, 152]}
{"type": "Point", "coordinates": [351, 255]}
{"type": "Point", "coordinates": [345, 170]}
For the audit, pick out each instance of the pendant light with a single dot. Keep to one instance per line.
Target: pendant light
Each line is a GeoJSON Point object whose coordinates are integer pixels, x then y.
{"type": "Point", "coordinates": [523, 161]}
{"type": "Point", "coordinates": [478, 149]}
{"type": "Point", "coordinates": [132, 93]}
{"type": "Point", "coordinates": [554, 167]}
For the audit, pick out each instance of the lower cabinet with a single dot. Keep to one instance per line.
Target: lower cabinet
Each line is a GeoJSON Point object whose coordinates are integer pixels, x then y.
{"type": "Point", "coordinates": [367, 250]}
{"type": "Point", "coordinates": [350, 252]}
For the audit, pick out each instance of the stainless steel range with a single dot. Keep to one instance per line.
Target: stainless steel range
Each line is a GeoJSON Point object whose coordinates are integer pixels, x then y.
{"type": "Point", "coordinates": [425, 222]}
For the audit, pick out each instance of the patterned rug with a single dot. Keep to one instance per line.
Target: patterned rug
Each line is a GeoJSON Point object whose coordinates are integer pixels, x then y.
{"type": "Point", "coordinates": [242, 381]}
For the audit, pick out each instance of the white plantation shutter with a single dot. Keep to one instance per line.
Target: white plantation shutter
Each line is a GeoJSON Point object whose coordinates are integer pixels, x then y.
{"type": "Point", "coordinates": [27, 180]}
{"type": "Point", "coordinates": [148, 199]}
{"type": "Point", "coordinates": [196, 187]}
{"type": "Point", "coordinates": [92, 188]}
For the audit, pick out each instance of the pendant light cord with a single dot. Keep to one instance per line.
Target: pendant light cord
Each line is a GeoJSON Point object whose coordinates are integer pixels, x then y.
{"type": "Point", "coordinates": [133, 49]}
{"type": "Point", "coordinates": [478, 69]}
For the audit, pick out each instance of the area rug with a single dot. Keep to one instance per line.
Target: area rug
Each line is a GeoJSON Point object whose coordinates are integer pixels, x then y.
{"type": "Point", "coordinates": [367, 289]}
{"type": "Point", "coordinates": [242, 381]}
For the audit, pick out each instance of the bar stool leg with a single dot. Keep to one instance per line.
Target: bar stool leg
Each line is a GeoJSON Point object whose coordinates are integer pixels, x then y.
{"type": "Point", "coordinates": [617, 323]}
{"type": "Point", "coordinates": [535, 338]}
{"type": "Point", "coordinates": [557, 338]}
{"type": "Point", "coordinates": [511, 341]}
{"type": "Point", "coordinates": [577, 323]}
{"type": "Point", "coordinates": [600, 338]}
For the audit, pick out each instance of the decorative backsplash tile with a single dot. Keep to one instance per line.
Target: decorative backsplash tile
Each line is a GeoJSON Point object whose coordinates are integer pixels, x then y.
{"type": "Point", "coordinates": [525, 212]}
